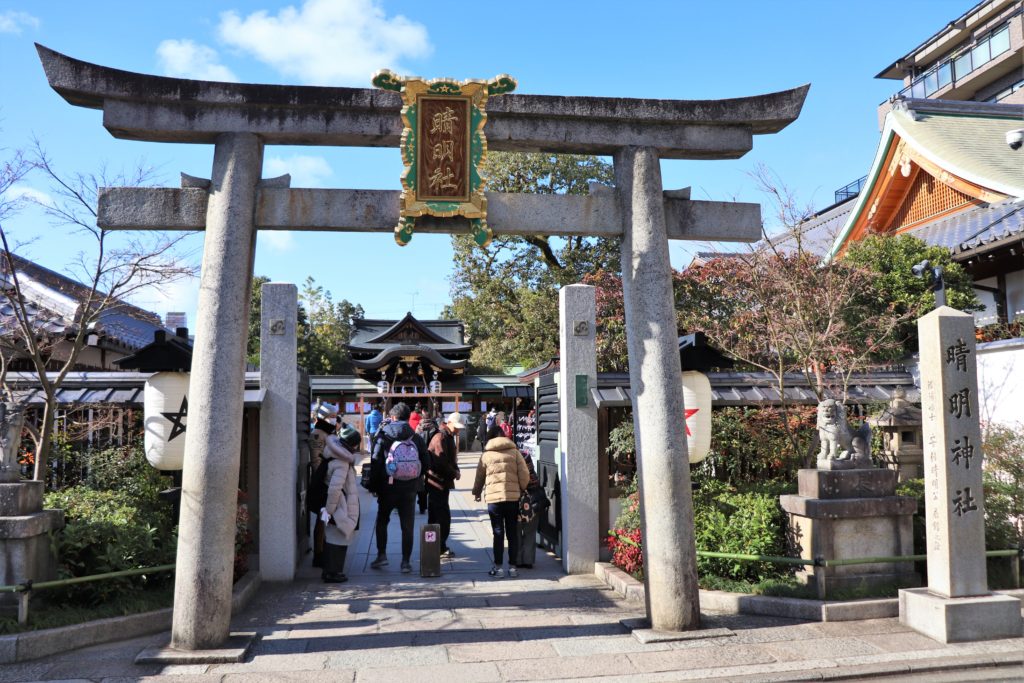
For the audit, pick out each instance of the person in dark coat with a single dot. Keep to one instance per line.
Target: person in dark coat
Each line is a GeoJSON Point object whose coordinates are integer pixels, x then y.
{"type": "Point", "coordinates": [444, 470]}
{"type": "Point", "coordinates": [395, 494]}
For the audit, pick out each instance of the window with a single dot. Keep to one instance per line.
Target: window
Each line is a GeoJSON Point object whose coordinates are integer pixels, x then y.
{"type": "Point", "coordinates": [959, 66]}
{"type": "Point", "coordinates": [945, 74]}
{"type": "Point", "coordinates": [962, 66]}
{"type": "Point", "coordinates": [1000, 41]}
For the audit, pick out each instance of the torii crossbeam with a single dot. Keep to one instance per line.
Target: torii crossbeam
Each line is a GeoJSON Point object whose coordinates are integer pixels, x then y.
{"type": "Point", "coordinates": [240, 119]}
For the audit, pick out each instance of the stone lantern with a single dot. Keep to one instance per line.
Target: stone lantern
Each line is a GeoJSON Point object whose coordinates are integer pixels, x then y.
{"type": "Point", "coordinates": [26, 553]}
{"type": "Point", "coordinates": [902, 441]}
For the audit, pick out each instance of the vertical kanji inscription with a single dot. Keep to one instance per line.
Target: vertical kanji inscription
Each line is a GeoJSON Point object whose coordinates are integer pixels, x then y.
{"type": "Point", "coordinates": [443, 162]}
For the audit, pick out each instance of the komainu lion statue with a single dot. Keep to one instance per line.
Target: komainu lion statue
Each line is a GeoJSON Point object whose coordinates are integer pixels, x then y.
{"type": "Point", "coordinates": [841, 447]}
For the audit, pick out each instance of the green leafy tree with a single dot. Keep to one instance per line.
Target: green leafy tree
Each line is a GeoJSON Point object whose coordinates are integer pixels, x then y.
{"type": "Point", "coordinates": [507, 293]}
{"type": "Point", "coordinates": [252, 344]}
{"type": "Point", "coordinates": [324, 328]}
{"type": "Point", "coordinates": [891, 257]}
{"type": "Point", "coordinates": [322, 350]}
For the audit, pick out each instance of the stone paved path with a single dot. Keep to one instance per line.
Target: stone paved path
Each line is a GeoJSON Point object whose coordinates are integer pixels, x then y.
{"type": "Point", "coordinates": [465, 626]}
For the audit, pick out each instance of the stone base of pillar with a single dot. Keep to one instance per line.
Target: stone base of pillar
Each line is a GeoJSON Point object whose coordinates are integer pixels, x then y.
{"type": "Point", "coordinates": [960, 620]}
{"type": "Point", "coordinates": [234, 649]}
{"type": "Point", "coordinates": [848, 514]}
{"type": "Point", "coordinates": [25, 549]}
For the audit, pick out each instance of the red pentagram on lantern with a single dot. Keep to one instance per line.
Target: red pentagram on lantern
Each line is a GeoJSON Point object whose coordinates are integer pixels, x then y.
{"type": "Point", "coordinates": [688, 412]}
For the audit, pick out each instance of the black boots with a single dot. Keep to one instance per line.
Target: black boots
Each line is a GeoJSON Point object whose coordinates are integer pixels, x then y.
{"type": "Point", "coordinates": [334, 563]}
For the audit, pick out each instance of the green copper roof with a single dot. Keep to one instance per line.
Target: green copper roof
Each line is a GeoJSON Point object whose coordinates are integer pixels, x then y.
{"type": "Point", "coordinates": [967, 139]}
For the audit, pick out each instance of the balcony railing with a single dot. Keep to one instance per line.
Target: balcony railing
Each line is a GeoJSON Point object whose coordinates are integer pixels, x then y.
{"type": "Point", "coordinates": [850, 191]}
{"type": "Point", "coordinates": [958, 65]}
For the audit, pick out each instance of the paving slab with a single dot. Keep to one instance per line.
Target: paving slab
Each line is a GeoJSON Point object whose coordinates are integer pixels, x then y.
{"type": "Point", "coordinates": [553, 668]}
{"type": "Point", "coordinates": [700, 657]}
{"type": "Point", "coordinates": [465, 626]}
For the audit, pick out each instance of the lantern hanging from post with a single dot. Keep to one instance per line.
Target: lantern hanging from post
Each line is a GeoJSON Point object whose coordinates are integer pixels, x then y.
{"type": "Point", "coordinates": [165, 400]}
{"type": "Point", "coordinates": [697, 399]}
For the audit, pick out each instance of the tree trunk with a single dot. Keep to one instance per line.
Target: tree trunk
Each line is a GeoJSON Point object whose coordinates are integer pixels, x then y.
{"type": "Point", "coordinates": [45, 439]}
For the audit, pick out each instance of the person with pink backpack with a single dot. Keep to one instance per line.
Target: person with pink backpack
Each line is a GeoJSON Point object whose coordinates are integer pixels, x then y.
{"type": "Point", "coordinates": [397, 466]}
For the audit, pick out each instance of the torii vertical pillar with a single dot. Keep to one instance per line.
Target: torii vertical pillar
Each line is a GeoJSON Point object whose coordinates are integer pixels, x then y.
{"type": "Point", "coordinates": [655, 376]}
{"type": "Point", "coordinates": [206, 532]}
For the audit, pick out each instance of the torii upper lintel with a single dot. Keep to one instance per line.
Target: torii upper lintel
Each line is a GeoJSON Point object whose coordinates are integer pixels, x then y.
{"type": "Point", "coordinates": [162, 109]}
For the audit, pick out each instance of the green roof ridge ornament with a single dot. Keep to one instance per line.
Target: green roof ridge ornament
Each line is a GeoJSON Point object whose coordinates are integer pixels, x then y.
{"type": "Point", "coordinates": [443, 149]}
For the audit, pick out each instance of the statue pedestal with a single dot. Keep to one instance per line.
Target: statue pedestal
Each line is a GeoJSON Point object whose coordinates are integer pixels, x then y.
{"type": "Point", "coordinates": [850, 514]}
{"type": "Point", "coordinates": [25, 549]}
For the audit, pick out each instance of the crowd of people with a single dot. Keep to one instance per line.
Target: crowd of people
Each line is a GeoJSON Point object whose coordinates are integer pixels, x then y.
{"type": "Point", "coordinates": [414, 463]}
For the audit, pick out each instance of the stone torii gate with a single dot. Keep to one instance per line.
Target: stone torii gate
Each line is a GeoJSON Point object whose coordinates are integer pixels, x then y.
{"type": "Point", "coordinates": [240, 119]}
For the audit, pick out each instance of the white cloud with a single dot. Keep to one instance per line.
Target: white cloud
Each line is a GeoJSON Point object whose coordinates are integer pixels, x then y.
{"type": "Point", "coordinates": [327, 42]}
{"type": "Point", "coordinates": [187, 59]}
{"type": "Point", "coordinates": [12, 21]}
{"type": "Point", "coordinates": [180, 295]}
{"type": "Point", "coordinates": [278, 240]}
{"type": "Point", "coordinates": [26, 193]}
{"type": "Point", "coordinates": [305, 170]}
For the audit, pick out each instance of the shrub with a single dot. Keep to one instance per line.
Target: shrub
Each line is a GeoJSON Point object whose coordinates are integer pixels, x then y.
{"type": "Point", "coordinates": [124, 468]}
{"type": "Point", "coordinates": [624, 538]}
{"type": "Point", "coordinates": [749, 446]}
{"type": "Point", "coordinates": [725, 521]}
{"type": "Point", "coordinates": [109, 531]}
{"type": "Point", "coordinates": [750, 523]}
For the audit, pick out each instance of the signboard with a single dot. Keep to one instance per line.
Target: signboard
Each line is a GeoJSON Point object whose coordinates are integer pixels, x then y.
{"type": "Point", "coordinates": [443, 149]}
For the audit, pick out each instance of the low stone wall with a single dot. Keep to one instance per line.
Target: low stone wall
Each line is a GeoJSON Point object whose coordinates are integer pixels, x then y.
{"type": "Point", "coordinates": [20, 647]}
{"type": "Point", "coordinates": [744, 603]}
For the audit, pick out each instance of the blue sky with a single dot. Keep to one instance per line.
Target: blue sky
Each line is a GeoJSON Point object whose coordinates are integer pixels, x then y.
{"type": "Point", "coordinates": [678, 49]}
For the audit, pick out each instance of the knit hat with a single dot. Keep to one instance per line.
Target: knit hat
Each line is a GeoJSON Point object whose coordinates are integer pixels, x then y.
{"type": "Point", "coordinates": [350, 437]}
{"type": "Point", "coordinates": [455, 421]}
{"type": "Point", "coordinates": [326, 410]}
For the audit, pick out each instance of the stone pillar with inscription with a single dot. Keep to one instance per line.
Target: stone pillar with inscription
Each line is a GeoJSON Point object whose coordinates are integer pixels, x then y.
{"type": "Point", "coordinates": [279, 454]}
{"type": "Point", "coordinates": [578, 466]}
{"type": "Point", "coordinates": [956, 606]}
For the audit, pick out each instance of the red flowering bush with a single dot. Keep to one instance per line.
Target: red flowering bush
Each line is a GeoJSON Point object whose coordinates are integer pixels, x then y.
{"type": "Point", "coordinates": [627, 554]}
{"type": "Point", "coordinates": [624, 539]}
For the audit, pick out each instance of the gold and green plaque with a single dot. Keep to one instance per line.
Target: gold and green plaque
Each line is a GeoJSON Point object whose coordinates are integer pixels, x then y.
{"type": "Point", "coordinates": [443, 149]}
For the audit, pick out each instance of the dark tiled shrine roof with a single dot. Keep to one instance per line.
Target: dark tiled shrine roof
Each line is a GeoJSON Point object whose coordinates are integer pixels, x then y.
{"type": "Point", "coordinates": [975, 228]}
{"type": "Point", "coordinates": [97, 388]}
{"type": "Point", "coordinates": [55, 301]}
{"type": "Point", "coordinates": [373, 333]}
{"type": "Point", "coordinates": [759, 388]}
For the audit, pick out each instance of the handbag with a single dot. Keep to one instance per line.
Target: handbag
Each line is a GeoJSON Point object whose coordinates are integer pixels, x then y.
{"type": "Point", "coordinates": [526, 512]}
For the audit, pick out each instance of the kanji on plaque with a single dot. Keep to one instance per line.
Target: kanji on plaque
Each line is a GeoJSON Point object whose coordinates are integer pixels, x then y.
{"type": "Point", "coordinates": [443, 149]}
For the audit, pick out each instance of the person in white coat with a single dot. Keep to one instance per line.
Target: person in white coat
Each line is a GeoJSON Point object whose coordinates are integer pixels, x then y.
{"type": "Point", "coordinates": [341, 511]}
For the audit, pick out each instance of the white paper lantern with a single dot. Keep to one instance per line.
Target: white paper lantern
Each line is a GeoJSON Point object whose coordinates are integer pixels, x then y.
{"type": "Point", "coordinates": [165, 406]}
{"type": "Point", "coordinates": [383, 387]}
{"type": "Point", "coordinates": [435, 387]}
{"type": "Point", "coordinates": [697, 398]}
